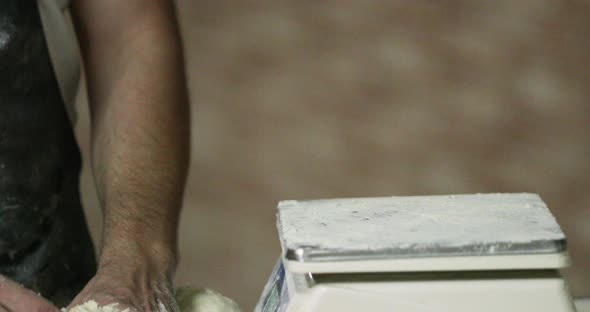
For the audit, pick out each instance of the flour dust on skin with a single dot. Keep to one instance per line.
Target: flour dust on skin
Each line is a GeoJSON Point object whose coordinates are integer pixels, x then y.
{"type": "Point", "coordinates": [92, 306]}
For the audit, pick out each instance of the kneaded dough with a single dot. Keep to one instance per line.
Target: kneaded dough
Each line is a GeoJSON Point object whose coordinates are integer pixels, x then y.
{"type": "Point", "coordinates": [204, 300]}
{"type": "Point", "coordinates": [189, 300]}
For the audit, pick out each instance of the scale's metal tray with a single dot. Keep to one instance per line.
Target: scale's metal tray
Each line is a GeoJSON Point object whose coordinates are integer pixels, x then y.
{"type": "Point", "coordinates": [385, 228]}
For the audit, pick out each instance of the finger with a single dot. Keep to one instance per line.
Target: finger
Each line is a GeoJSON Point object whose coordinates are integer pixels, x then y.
{"type": "Point", "coordinates": [15, 298]}
{"type": "Point", "coordinates": [167, 306]}
{"type": "Point", "coordinates": [4, 308]}
{"type": "Point", "coordinates": [165, 301]}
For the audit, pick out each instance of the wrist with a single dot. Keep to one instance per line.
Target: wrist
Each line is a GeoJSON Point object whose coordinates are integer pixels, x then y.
{"type": "Point", "coordinates": [136, 253]}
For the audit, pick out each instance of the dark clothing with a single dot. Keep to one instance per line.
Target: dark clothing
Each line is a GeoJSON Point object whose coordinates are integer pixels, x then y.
{"type": "Point", "coordinates": [44, 241]}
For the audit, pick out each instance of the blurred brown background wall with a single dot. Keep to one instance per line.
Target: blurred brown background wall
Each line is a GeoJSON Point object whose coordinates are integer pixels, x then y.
{"type": "Point", "coordinates": [319, 99]}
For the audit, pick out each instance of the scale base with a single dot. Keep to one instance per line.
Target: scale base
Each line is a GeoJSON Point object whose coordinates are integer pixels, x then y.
{"type": "Point", "coordinates": [545, 292]}
{"type": "Point", "coordinates": [539, 290]}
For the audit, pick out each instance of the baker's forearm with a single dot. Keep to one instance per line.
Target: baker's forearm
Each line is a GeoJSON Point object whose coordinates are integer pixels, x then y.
{"type": "Point", "coordinates": [140, 126]}
{"type": "Point", "coordinates": [139, 160]}
{"type": "Point", "coordinates": [140, 157]}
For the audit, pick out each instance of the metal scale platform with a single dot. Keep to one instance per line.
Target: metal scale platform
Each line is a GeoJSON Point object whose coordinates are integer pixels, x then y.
{"type": "Point", "coordinates": [460, 253]}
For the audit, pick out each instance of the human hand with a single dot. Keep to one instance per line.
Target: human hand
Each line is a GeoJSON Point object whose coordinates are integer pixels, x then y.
{"type": "Point", "coordinates": [15, 298]}
{"type": "Point", "coordinates": [136, 288]}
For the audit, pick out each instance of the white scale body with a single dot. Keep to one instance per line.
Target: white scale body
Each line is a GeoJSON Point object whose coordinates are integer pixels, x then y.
{"type": "Point", "coordinates": [459, 253]}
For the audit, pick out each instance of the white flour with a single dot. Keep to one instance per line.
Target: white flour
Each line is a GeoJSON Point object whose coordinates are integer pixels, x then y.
{"type": "Point", "coordinates": [189, 300]}
{"type": "Point", "coordinates": [418, 224]}
{"type": "Point", "coordinates": [92, 306]}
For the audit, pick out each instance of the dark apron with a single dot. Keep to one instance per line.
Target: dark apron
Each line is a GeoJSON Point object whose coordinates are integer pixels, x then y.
{"type": "Point", "coordinates": [44, 241]}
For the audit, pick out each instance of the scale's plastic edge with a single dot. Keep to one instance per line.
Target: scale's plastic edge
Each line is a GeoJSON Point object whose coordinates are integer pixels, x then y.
{"type": "Point", "coordinates": [316, 254]}
{"type": "Point", "coordinates": [549, 261]}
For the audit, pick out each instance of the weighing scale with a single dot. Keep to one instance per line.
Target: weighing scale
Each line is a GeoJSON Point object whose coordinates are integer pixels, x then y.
{"type": "Point", "coordinates": [459, 253]}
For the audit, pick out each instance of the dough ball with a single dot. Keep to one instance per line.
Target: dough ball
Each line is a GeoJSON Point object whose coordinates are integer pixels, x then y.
{"type": "Point", "coordinates": [204, 300]}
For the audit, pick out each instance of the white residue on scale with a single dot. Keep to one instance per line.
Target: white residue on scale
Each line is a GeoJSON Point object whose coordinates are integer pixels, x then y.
{"type": "Point", "coordinates": [417, 222]}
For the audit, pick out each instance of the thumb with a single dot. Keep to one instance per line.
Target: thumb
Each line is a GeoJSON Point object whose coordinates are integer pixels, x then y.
{"type": "Point", "coordinates": [15, 298]}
